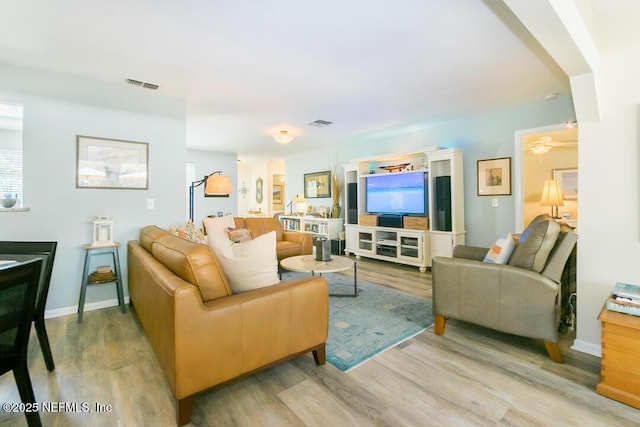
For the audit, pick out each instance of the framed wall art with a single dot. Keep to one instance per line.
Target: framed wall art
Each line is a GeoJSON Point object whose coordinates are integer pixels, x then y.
{"type": "Point", "coordinates": [494, 177]}
{"type": "Point", "coordinates": [568, 179]}
{"type": "Point", "coordinates": [277, 194]}
{"type": "Point", "coordinates": [259, 187]}
{"type": "Point", "coordinates": [317, 185]}
{"type": "Point", "coordinates": [111, 163]}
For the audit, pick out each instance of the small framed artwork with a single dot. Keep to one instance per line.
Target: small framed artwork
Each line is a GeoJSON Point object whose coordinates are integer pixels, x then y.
{"type": "Point", "coordinates": [111, 163]}
{"type": "Point", "coordinates": [259, 185]}
{"type": "Point", "coordinates": [568, 179]}
{"type": "Point", "coordinates": [277, 194]}
{"type": "Point", "coordinates": [317, 185]}
{"type": "Point", "coordinates": [494, 177]}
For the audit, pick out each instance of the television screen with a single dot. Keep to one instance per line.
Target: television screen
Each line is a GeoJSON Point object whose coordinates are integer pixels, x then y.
{"type": "Point", "coordinates": [401, 192]}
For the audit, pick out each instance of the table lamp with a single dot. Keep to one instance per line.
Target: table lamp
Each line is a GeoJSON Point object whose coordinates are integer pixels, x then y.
{"type": "Point", "coordinates": [297, 199]}
{"type": "Point", "coordinates": [552, 196]}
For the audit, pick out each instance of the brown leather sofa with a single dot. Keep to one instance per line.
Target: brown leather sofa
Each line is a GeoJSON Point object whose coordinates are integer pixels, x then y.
{"type": "Point", "coordinates": [522, 297]}
{"type": "Point", "coordinates": [203, 335]}
{"type": "Point", "coordinates": [288, 243]}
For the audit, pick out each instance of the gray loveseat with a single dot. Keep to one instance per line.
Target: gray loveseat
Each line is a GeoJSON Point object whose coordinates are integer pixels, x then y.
{"type": "Point", "coordinates": [521, 297]}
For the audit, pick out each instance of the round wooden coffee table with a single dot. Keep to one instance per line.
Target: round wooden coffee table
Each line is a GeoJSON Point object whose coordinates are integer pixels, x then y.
{"type": "Point", "coordinates": [308, 264]}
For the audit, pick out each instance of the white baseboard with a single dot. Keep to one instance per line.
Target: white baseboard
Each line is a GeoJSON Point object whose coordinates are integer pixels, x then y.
{"type": "Point", "coordinates": [65, 311]}
{"type": "Point", "coordinates": [587, 347]}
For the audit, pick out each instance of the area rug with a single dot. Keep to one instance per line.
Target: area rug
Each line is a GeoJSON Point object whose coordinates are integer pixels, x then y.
{"type": "Point", "coordinates": [378, 319]}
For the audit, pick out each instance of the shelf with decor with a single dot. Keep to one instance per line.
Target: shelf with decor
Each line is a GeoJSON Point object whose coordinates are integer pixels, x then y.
{"type": "Point", "coordinates": [324, 227]}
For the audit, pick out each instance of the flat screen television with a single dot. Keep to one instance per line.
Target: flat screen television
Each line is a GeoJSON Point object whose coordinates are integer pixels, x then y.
{"type": "Point", "coordinates": [398, 193]}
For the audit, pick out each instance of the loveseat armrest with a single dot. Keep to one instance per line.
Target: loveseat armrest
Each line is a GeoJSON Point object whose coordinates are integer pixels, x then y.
{"type": "Point", "coordinates": [305, 240]}
{"type": "Point", "coordinates": [470, 252]}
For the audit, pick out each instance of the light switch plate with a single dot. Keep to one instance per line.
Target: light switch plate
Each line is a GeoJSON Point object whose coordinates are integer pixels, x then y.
{"type": "Point", "coordinates": [494, 202]}
{"type": "Point", "coordinates": [151, 203]}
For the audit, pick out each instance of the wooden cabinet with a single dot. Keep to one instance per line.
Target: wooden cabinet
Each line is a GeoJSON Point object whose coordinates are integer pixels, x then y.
{"type": "Point", "coordinates": [620, 371]}
{"type": "Point", "coordinates": [324, 227]}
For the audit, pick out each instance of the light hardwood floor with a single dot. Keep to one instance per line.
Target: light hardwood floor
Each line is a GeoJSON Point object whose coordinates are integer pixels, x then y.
{"type": "Point", "coordinates": [471, 376]}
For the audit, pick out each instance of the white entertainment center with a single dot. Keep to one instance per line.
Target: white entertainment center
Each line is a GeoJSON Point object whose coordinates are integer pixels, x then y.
{"type": "Point", "coordinates": [387, 234]}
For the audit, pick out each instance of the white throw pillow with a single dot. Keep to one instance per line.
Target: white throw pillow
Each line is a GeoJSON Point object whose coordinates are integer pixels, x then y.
{"type": "Point", "coordinates": [501, 251]}
{"type": "Point", "coordinates": [249, 265]}
{"type": "Point", "coordinates": [216, 231]}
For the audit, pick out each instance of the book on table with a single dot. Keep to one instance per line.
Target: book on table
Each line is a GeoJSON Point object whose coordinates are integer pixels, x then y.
{"type": "Point", "coordinates": [627, 291]}
{"type": "Point", "coordinates": [625, 298]}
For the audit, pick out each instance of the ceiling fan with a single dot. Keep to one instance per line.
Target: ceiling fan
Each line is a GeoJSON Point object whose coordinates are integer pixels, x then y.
{"type": "Point", "coordinates": [543, 144]}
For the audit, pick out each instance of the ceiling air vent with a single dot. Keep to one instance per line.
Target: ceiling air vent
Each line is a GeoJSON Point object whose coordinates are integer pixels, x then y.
{"type": "Point", "coordinates": [134, 82]}
{"type": "Point", "coordinates": [142, 84]}
{"type": "Point", "coordinates": [320, 123]}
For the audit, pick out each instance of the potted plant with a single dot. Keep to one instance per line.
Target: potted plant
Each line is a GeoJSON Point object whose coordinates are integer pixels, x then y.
{"type": "Point", "coordinates": [8, 201]}
{"type": "Point", "coordinates": [337, 186]}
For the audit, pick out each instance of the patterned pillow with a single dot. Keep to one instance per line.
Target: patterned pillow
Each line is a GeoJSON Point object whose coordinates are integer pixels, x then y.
{"type": "Point", "coordinates": [501, 251]}
{"type": "Point", "coordinates": [189, 232]}
{"type": "Point", "coordinates": [238, 235]}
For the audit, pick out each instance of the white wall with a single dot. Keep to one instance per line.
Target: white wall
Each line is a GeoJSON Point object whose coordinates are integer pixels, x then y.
{"type": "Point", "coordinates": [63, 213]}
{"type": "Point", "coordinates": [609, 244]}
{"type": "Point", "coordinates": [248, 174]}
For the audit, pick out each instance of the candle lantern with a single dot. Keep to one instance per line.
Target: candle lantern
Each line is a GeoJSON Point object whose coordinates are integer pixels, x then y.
{"type": "Point", "coordinates": [102, 231]}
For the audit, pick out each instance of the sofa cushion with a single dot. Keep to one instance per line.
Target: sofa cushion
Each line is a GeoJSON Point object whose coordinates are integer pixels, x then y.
{"type": "Point", "coordinates": [286, 249]}
{"type": "Point", "coordinates": [149, 234]}
{"type": "Point", "coordinates": [193, 263]}
{"type": "Point", "coordinates": [251, 264]}
{"type": "Point", "coordinates": [501, 251]}
{"type": "Point", "coordinates": [259, 226]}
{"type": "Point", "coordinates": [535, 245]}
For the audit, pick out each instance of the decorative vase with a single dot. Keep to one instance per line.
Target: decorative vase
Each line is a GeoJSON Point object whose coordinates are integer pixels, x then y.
{"type": "Point", "coordinates": [335, 211]}
{"type": "Point", "coordinates": [8, 201]}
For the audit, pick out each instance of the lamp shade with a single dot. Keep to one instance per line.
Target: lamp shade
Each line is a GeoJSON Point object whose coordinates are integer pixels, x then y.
{"type": "Point", "coordinates": [551, 194]}
{"type": "Point", "coordinates": [217, 186]}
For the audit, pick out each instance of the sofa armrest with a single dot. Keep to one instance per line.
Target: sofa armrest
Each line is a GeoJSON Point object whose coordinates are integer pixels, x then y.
{"type": "Point", "coordinates": [227, 337]}
{"type": "Point", "coordinates": [498, 296]}
{"type": "Point", "coordinates": [470, 252]}
{"type": "Point", "coordinates": [303, 239]}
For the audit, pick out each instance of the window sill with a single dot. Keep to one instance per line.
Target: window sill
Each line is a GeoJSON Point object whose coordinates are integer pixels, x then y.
{"type": "Point", "coordinates": [14, 209]}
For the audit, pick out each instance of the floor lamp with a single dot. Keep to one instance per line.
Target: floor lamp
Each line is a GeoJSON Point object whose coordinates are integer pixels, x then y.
{"type": "Point", "coordinates": [216, 185]}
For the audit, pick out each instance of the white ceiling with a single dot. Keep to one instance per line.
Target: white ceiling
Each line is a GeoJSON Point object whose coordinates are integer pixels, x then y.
{"type": "Point", "coordinates": [247, 69]}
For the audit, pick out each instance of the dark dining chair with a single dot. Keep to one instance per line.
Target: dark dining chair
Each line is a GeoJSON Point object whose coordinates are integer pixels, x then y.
{"type": "Point", "coordinates": [46, 251]}
{"type": "Point", "coordinates": [18, 289]}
